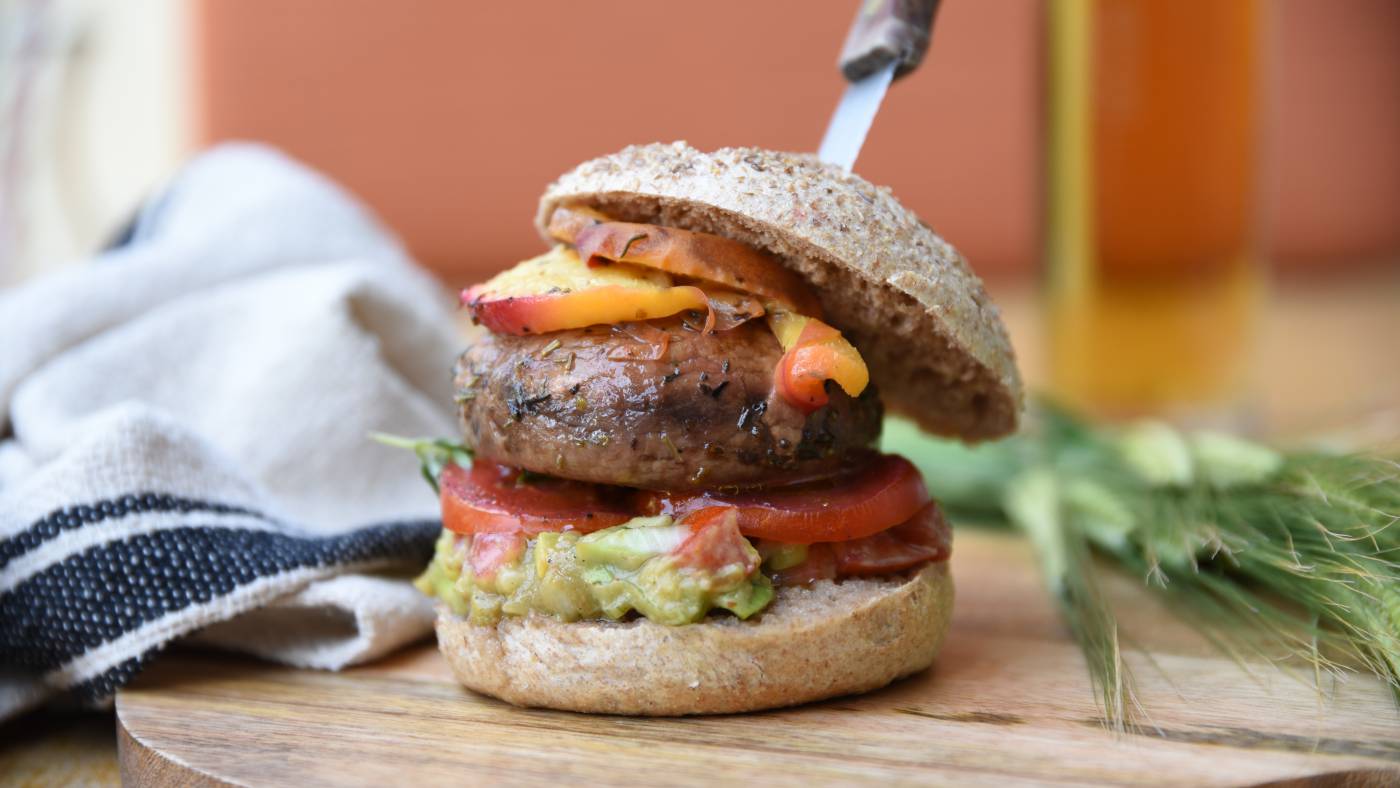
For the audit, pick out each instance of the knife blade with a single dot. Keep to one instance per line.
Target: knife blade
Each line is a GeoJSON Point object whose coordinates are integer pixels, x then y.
{"type": "Point", "coordinates": [887, 40]}
{"type": "Point", "coordinates": [850, 124]}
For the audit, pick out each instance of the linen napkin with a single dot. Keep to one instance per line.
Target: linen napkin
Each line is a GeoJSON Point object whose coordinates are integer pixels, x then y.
{"type": "Point", "coordinates": [183, 436]}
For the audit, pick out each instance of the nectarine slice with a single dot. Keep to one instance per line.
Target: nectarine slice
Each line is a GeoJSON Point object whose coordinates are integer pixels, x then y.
{"type": "Point", "coordinates": [703, 256]}
{"type": "Point", "coordinates": [558, 291]}
{"type": "Point", "coordinates": [814, 353]}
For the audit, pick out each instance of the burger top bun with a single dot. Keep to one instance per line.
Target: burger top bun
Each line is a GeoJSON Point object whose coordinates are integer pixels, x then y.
{"type": "Point", "coordinates": [934, 343]}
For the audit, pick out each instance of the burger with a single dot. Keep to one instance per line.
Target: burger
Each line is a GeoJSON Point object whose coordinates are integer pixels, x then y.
{"type": "Point", "coordinates": [667, 498]}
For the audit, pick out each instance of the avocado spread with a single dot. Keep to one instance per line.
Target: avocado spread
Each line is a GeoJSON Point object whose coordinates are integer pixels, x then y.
{"type": "Point", "coordinates": [605, 574]}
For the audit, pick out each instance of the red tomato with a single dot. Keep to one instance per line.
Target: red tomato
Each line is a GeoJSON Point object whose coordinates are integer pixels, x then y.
{"type": "Point", "coordinates": [491, 498]}
{"type": "Point", "coordinates": [929, 528]}
{"type": "Point", "coordinates": [925, 537]}
{"type": "Point", "coordinates": [820, 565]}
{"type": "Point", "coordinates": [884, 491]}
{"type": "Point", "coordinates": [715, 542]}
{"type": "Point", "coordinates": [489, 552]}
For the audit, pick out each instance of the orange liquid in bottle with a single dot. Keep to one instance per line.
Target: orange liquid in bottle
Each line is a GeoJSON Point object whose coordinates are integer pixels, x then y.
{"type": "Point", "coordinates": [1154, 281]}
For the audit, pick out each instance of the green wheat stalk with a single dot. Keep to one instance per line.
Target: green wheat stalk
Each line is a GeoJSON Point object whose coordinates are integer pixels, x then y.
{"type": "Point", "coordinates": [1293, 557]}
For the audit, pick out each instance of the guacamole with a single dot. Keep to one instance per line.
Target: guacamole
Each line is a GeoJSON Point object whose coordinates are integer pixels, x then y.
{"type": "Point", "coordinates": [606, 574]}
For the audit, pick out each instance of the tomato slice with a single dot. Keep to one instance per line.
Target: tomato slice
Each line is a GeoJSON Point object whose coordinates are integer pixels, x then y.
{"type": "Point", "coordinates": [882, 491]}
{"type": "Point", "coordinates": [490, 551]}
{"type": "Point", "coordinates": [715, 542]}
{"type": "Point", "coordinates": [922, 539]}
{"type": "Point", "coordinates": [491, 498]}
{"type": "Point", "coordinates": [820, 565]}
{"type": "Point", "coordinates": [925, 537]}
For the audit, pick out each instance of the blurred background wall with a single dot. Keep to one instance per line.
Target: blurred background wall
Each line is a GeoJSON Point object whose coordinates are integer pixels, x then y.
{"type": "Point", "coordinates": [449, 118]}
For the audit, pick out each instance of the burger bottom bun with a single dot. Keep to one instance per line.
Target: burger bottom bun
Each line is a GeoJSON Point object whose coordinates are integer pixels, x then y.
{"type": "Point", "coordinates": [812, 642]}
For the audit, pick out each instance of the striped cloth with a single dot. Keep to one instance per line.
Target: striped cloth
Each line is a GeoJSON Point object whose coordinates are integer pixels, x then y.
{"type": "Point", "coordinates": [183, 447]}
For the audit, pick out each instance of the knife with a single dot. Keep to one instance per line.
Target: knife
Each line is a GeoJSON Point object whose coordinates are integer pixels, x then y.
{"type": "Point", "coordinates": [887, 40]}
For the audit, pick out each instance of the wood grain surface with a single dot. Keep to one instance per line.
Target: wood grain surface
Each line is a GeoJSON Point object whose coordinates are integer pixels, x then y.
{"type": "Point", "coordinates": [1008, 703]}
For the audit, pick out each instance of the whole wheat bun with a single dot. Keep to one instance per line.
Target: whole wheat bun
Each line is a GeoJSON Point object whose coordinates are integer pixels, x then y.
{"type": "Point", "coordinates": [812, 642]}
{"type": "Point", "coordinates": [934, 343]}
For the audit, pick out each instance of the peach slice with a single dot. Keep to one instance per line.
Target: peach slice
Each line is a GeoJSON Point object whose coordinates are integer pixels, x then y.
{"type": "Point", "coordinates": [814, 353]}
{"type": "Point", "coordinates": [703, 256]}
{"type": "Point", "coordinates": [601, 305]}
{"type": "Point", "coordinates": [558, 291]}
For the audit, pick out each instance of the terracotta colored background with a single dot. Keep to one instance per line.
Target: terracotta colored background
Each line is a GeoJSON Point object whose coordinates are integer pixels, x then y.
{"type": "Point", "coordinates": [1337, 130]}
{"type": "Point", "coordinates": [451, 117]}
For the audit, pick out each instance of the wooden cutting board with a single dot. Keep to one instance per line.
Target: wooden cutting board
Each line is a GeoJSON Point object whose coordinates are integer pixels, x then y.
{"type": "Point", "coordinates": [1009, 702]}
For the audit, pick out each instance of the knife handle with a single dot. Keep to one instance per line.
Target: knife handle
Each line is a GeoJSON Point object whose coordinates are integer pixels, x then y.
{"type": "Point", "coordinates": [885, 32]}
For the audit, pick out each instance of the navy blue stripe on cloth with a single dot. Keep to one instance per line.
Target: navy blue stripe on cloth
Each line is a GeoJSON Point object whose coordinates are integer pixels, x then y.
{"type": "Point", "coordinates": [73, 517]}
{"type": "Point", "coordinates": [109, 590]}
